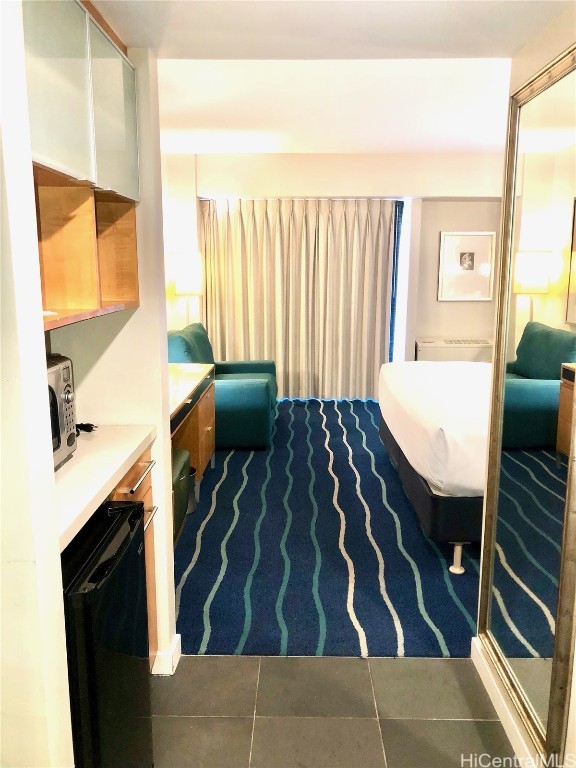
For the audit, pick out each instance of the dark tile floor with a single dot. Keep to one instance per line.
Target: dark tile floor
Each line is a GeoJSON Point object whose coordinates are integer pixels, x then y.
{"type": "Point", "coordinates": [251, 712]}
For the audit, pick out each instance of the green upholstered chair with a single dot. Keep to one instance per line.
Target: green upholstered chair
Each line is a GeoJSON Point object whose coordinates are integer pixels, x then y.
{"type": "Point", "coordinates": [244, 391]}
{"type": "Point", "coordinates": [532, 386]}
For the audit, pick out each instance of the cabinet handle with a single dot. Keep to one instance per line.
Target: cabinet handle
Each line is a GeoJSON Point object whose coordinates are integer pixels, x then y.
{"type": "Point", "coordinates": [149, 465]}
{"type": "Point", "coordinates": [154, 510]}
{"type": "Point", "coordinates": [208, 429]}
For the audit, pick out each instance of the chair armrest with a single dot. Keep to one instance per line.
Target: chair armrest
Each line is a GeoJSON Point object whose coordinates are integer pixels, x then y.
{"type": "Point", "coordinates": [245, 366]}
{"type": "Point", "coordinates": [244, 417]}
{"type": "Point", "coordinates": [511, 366]}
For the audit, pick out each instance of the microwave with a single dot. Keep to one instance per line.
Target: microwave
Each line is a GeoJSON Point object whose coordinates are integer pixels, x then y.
{"type": "Point", "coordinates": [62, 408]}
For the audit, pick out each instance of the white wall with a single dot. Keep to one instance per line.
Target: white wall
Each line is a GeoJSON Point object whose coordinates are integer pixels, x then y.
{"type": "Point", "coordinates": [544, 218]}
{"type": "Point", "coordinates": [452, 318]}
{"type": "Point", "coordinates": [326, 175]}
{"type": "Point", "coordinates": [35, 713]}
{"type": "Point", "coordinates": [180, 207]}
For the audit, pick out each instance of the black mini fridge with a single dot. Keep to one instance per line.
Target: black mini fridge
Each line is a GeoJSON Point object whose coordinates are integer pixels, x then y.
{"type": "Point", "coordinates": [104, 581]}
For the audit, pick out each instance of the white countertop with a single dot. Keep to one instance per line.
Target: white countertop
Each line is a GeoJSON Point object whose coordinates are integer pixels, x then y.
{"type": "Point", "coordinates": [99, 462]}
{"type": "Point", "coordinates": [183, 380]}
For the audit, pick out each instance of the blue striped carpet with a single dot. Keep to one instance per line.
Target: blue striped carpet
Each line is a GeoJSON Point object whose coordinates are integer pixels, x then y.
{"type": "Point", "coordinates": [527, 558]}
{"type": "Point", "coordinates": [311, 548]}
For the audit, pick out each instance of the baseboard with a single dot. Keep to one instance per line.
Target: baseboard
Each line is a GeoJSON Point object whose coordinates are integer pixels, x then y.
{"type": "Point", "coordinates": [166, 661]}
{"type": "Point", "coordinates": [519, 737]}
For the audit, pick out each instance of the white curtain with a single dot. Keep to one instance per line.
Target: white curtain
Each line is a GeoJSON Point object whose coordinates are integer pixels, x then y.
{"type": "Point", "coordinates": [305, 283]}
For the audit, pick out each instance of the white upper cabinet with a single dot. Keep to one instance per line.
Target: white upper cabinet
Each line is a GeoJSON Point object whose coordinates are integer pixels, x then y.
{"type": "Point", "coordinates": [114, 103]}
{"type": "Point", "coordinates": [81, 97]}
{"type": "Point", "coordinates": [57, 69]}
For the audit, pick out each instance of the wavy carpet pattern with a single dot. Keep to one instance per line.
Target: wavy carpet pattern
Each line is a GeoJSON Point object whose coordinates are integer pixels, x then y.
{"type": "Point", "coordinates": [527, 558]}
{"type": "Point", "coordinates": [311, 548]}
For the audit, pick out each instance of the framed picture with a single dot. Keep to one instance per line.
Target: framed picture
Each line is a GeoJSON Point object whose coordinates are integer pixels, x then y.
{"type": "Point", "coordinates": [466, 271]}
{"type": "Point", "coordinates": [571, 307]}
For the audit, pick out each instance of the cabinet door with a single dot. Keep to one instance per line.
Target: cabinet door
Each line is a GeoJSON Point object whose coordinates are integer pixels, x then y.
{"type": "Point", "coordinates": [114, 95]}
{"type": "Point", "coordinates": [57, 73]}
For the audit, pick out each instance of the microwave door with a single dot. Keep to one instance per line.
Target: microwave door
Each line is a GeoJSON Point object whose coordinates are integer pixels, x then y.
{"type": "Point", "coordinates": [54, 419]}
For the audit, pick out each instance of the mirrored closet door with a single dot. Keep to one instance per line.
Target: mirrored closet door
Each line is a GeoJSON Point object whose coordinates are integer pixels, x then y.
{"type": "Point", "coordinates": [528, 576]}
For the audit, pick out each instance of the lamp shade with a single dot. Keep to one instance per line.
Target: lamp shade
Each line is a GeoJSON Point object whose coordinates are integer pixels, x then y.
{"type": "Point", "coordinates": [532, 272]}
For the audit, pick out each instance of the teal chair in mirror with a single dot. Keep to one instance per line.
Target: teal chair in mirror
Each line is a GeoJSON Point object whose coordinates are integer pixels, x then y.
{"type": "Point", "coordinates": [245, 390]}
{"type": "Point", "coordinates": [532, 386]}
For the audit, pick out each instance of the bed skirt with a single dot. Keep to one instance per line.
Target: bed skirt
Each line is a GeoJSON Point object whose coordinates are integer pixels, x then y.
{"type": "Point", "coordinates": [443, 518]}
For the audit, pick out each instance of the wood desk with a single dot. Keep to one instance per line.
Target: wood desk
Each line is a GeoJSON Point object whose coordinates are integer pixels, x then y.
{"type": "Point", "coordinates": [192, 418]}
{"type": "Point", "coordinates": [565, 408]}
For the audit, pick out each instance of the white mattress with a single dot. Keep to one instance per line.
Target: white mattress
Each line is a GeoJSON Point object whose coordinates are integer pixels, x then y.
{"type": "Point", "coordinates": [438, 413]}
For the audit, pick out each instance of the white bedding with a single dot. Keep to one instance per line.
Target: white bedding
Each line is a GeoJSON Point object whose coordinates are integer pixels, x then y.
{"type": "Point", "coordinates": [438, 413]}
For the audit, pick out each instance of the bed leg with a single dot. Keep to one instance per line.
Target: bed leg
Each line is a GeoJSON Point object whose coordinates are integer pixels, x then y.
{"type": "Point", "coordinates": [456, 566]}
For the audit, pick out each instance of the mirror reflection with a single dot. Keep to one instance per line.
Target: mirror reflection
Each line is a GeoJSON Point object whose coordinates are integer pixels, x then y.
{"type": "Point", "coordinates": [538, 393]}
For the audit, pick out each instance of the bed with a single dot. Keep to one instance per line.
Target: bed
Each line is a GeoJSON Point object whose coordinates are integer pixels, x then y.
{"type": "Point", "coordinates": [434, 425]}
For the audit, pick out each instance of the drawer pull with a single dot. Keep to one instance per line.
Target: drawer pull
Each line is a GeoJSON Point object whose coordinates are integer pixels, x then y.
{"type": "Point", "coordinates": [154, 510]}
{"type": "Point", "coordinates": [149, 465]}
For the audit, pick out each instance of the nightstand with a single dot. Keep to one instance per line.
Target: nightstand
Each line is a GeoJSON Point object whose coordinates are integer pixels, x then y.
{"type": "Point", "coordinates": [565, 408]}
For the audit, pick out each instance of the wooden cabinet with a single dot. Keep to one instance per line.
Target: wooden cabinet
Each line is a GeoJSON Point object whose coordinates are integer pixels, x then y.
{"type": "Point", "coordinates": [87, 248]}
{"type": "Point", "coordinates": [201, 432]}
{"type": "Point", "coordinates": [58, 82]}
{"type": "Point", "coordinates": [81, 96]}
{"type": "Point", "coordinates": [114, 105]}
{"type": "Point", "coordinates": [565, 408]}
{"type": "Point", "coordinates": [192, 389]}
{"type": "Point", "coordinates": [136, 485]}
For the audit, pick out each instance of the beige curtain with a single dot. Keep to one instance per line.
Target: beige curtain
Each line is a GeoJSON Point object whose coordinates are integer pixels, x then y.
{"type": "Point", "coordinates": [302, 282]}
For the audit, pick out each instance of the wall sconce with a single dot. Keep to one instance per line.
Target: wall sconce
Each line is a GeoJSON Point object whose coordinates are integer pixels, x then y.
{"type": "Point", "coordinates": [532, 274]}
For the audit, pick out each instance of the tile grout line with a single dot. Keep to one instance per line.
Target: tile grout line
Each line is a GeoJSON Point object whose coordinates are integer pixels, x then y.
{"type": "Point", "coordinates": [254, 716]}
{"type": "Point", "coordinates": [326, 717]}
{"type": "Point", "coordinates": [376, 710]}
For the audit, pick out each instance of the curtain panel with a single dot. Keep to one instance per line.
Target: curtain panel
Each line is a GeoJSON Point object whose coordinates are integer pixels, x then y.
{"type": "Point", "coordinates": [305, 282]}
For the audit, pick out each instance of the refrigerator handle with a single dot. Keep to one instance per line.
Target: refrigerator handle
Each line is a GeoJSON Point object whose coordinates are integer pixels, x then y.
{"type": "Point", "coordinates": [112, 555]}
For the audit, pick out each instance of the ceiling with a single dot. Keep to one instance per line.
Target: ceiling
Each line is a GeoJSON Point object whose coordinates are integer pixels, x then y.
{"type": "Point", "coordinates": [329, 29]}
{"type": "Point", "coordinates": [334, 106]}
{"type": "Point", "coordinates": [340, 75]}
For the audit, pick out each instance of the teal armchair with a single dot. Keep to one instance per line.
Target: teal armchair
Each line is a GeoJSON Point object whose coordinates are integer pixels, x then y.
{"type": "Point", "coordinates": [245, 391]}
{"type": "Point", "coordinates": [532, 386]}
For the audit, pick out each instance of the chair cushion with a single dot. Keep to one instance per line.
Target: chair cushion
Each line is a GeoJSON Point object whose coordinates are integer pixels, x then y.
{"type": "Point", "coordinates": [240, 377]}
{"type": "Point", "coordinates": [542, 350]}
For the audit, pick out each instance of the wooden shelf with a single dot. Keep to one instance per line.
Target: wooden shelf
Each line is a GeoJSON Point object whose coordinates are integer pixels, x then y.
{"type": "Point", "coordinates": [68, 316]}
{"type": "Point", "coordinates": [87, 247]}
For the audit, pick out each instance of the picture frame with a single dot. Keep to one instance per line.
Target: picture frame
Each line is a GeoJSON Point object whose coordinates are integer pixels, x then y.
{"type": "Point", "coordinates": [466, 268]}
{"type": "Point", "coordinates": [571, 302]}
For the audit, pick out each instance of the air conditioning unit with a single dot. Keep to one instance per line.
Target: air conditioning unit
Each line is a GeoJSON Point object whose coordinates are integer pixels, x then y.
{"type": "Point", "coordinates": [477, 350]}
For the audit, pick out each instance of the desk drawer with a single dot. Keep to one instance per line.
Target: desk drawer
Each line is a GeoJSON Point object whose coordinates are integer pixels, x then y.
{"type": "Point", "coordinates": [207, 444]}
{"type": "Point", "coordinates": [565, 403]}
{"type": "Point", "coordinates": [138, 479]}
{"type": "Point", "coordinates": [206, 409]}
